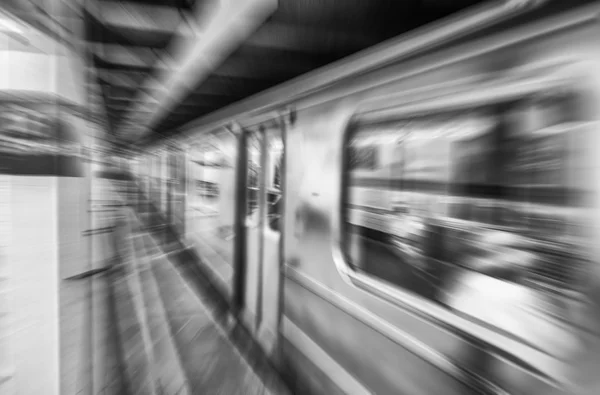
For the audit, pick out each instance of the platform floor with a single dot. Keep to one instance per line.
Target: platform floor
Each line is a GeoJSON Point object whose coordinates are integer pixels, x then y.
{"type": "Point", "coordinates": [171, 342]}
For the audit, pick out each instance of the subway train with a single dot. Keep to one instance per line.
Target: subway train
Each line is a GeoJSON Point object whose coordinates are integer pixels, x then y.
{"type": "Point", "coordinates": [420, 218]}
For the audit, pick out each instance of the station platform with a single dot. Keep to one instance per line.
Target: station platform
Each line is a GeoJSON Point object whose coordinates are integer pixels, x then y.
{"type": "Point", "coordinates": [171, 334]}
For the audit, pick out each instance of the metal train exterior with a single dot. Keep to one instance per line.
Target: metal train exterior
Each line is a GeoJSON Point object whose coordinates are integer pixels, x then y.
{"type": "Point", "coordinates": [425, 227]}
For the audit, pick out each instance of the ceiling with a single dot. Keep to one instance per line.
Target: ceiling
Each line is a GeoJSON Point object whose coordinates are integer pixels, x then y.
{"type": "Point", "coordinates": [133, 41]}
{"type": "Point", "coordinates": [135, 44]}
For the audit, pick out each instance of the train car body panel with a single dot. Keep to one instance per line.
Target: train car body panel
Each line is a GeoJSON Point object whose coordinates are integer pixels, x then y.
{"type": "Point", "coordinates": [263, 232]}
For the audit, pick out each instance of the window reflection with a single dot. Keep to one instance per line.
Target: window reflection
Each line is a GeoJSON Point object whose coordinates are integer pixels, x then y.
{"type": "Point", "coordinates": [254, 155]}
{"type": "Point", "coordinates": [274, 179]}
{"type": "Point", "coordinates": [264, 177]}
{"type": "Point", "coordinates": [462, 208]}
{"type": "Point", "coordinates": [210, 198]}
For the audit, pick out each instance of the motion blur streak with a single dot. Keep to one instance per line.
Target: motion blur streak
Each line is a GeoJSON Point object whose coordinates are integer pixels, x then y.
{"type": "Point", "coordinates": [299, 197]}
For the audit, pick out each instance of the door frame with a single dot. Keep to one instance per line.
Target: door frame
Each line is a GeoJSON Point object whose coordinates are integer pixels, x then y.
{"type": "Point", "coordinates": [239, 268]}
{"type": "Point", "coordinates": [280, 121]}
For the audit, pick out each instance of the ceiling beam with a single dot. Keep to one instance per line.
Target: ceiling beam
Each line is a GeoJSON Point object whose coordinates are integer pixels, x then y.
{"type": "Point", "coordinates": [233, 86]}
{"type": "Point", "coordinates": [137, 24]}
{"type": "Point", "coordinates": [278, 64]}
{"type": "Point", "coordinates": [120, 55]}
{"type": "Point", "coordinates": [122, 105]}
{"type": "Point", "coordinates": [310, 39]}
{"type": "Point", "coordinates": [215, 36]}
{"type": "Point", "coordinates": [125, 78]}
{"type": "Point", "coordinates": [148, 25]}
{"type": "Point", "coordinates": [121, 101]}
{"type": "Point", "coordinates": [102, 64]}
{"type": "Point", "coordinates": [120, 92]}
{"type": "Point", "coordinates": [188, 110]}
{"type": "Point", "coordinates": [138, 16]}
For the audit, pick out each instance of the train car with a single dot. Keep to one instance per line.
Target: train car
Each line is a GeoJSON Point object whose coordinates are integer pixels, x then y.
{"type": "Point", "coordinates": [420, 218]}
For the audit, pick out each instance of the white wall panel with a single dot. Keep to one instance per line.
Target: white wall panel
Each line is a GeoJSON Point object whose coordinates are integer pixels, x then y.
{"type": "Point", "coordinates": [33, 258]}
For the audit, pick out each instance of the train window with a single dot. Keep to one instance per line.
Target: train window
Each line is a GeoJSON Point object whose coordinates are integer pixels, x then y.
{"type": "Point", "coordinates": [273, 173]}
{"type": "Point", "coordinates": [263, 173]}
{"type": "Point", "coordinates": [210, 198]}
{"type": "Point", "coordinates": [362, 157]}
{"type": "Point", "coordinates": [254, 155]}
{"type": "Point", "coordinates": [473, 209]}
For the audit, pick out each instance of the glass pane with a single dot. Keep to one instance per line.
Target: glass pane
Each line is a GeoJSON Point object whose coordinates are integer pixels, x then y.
{"type": "Point", "coordinates": [474, 211]}
{"type": "Point", "coordinates": [254, 147]}
{"type": "Point", "coordinates": [211, 199]}
{"type": "Point", "coordinates": [273, 178]}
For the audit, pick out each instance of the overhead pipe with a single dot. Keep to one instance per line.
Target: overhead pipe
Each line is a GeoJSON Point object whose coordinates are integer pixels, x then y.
{"type": "Point", "coordinates": [213, 38]}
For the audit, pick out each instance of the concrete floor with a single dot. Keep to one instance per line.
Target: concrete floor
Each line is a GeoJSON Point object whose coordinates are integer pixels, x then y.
{"type": "Point", "coordinates": [170, 339]}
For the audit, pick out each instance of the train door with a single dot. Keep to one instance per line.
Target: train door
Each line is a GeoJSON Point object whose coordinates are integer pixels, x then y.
{"type": "Point", "coordinates": [262, 227]}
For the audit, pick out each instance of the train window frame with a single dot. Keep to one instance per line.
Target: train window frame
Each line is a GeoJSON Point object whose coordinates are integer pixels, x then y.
{"type": "Point", "coordinates": [496, 339]}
